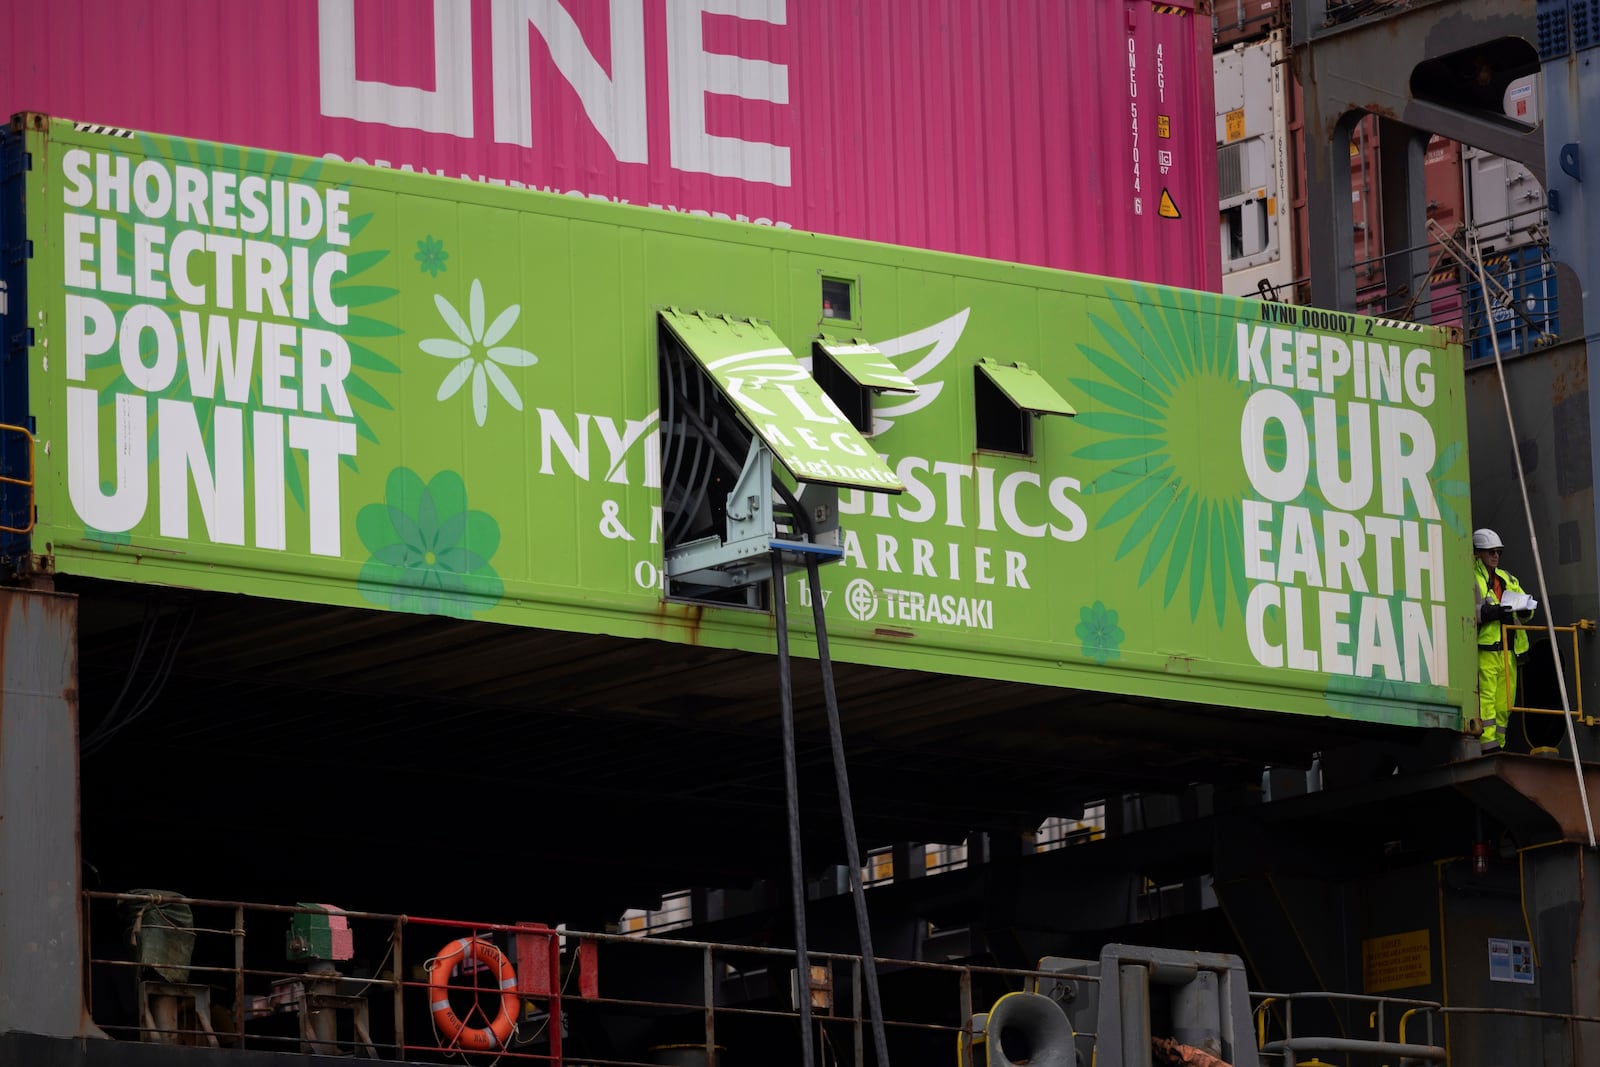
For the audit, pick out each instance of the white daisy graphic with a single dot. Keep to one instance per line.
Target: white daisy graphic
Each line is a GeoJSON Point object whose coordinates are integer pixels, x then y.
{"type": "Point", "coordinates": [478, 352]}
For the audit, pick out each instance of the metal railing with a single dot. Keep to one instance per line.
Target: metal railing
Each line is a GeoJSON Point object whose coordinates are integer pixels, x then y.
{"type": "Point", "coordinates": [26, 483]}
{"type": "Point", "coordinates": [1525, 320]}
{"type": "Point", "coordinates": [309, 979]}
{"type": "Point", "coordinates": [1391, 1022]}
{"type": "Point", "coordinates": [313, 980]}
{"type": "Point", "coordinates": [1381, 1012]}
{"type": "Point", "coordinates": [1576, 711]}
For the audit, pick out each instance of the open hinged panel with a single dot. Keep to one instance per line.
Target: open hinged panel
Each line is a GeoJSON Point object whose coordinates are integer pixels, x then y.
{"type": "Point", "coordinates": [753, 454]}
{"type": "Point", "coordinates": [1007, 398]}
{"type": "Point", "coordinates": [851, 373]}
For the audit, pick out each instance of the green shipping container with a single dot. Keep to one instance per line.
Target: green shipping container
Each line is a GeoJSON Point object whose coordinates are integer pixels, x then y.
{"type": "Point", "coordinates": [291, 378]}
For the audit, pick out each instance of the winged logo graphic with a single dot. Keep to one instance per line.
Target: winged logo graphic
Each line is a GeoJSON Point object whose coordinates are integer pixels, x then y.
{"type": "Point", "coordinates": [939, 340]}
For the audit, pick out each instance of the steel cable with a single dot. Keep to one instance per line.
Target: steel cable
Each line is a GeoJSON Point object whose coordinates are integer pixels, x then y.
{"type": "Point", "coordinates": [869, 966]}
{"type": "Point", "coordinates": [1533, 539]}
{"type": "Point", "coordinates": [797, 877]}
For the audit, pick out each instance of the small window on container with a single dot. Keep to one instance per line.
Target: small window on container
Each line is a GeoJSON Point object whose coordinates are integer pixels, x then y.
{"type": "Point", "coordinates": [839, 301]}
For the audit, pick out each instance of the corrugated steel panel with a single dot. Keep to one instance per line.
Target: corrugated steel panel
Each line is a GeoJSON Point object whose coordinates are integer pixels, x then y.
{"type": "Point", "coordinates": [1441, 175]}
{"type": "Point", "coordinates": [1366, 202]}
{"type": "Point", "coordinates": [1041, 132]}
{"type": "Point", "coordinates": [1504, 201]}
{"type": "Point", "coordinates": [1252, 82]}
{"type": "Point", "coordinates": [1246, 20]}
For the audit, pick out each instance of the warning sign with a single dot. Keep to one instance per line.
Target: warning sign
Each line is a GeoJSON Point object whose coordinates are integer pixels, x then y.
{"type": "Point", "coordinates": [1397, 961]}
{"type": "Point", "coordinates": [1168, 208]}
{"type": "Point", "coordinates": [1233, 125]}
{"type": "Point", "coordinates": [1163, 125]}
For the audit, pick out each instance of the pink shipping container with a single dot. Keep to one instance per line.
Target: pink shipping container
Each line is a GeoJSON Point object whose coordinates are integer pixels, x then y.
{"type": "Point", "coordinates": [1069, 133]}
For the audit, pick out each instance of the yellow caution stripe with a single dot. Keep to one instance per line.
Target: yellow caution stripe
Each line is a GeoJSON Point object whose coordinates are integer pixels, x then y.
{"type": "Point", "coordinates": [1169, 9]}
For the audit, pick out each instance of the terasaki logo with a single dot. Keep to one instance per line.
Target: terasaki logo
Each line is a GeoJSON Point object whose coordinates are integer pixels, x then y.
{"type": "Point", "coordinates": [861, 600]}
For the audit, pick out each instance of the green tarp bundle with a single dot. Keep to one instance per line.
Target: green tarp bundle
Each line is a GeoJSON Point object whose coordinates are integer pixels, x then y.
{"type": "Point", "coordinates": [161, 931]}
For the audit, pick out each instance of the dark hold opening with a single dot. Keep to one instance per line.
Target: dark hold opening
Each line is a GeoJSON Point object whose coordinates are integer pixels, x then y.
{"type": "Point", "coordinates": [853, 399]}
{"type": "Point", "coordinates": [1475, 79]}
{"type": "Point", "coordinates": [1016, 1045]}
{"type": "Point", "coordinates": [1002, 426]}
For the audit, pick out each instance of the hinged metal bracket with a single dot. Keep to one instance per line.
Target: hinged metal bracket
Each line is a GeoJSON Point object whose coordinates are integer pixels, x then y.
{"type": "Point", "coordinates": [740, 558]}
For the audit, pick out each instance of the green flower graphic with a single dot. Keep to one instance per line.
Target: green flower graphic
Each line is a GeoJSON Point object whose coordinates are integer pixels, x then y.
{"type": "Point", "coordinates": [430, 552]}
{"type": "Point", "coordinates": [1167, 378]}
{"type": "Point", "coordinates": [1098, 630]}
{"type": "Point", "coordinates": [478, 352]}
{"type": "Point", "coordinates": [431, 254]}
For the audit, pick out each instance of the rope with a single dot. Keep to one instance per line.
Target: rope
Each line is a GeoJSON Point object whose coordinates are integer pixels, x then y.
{"type": "Point", "coordinates": [1533, 537]}
{"type": "Point", "coordinates": [117, 719]}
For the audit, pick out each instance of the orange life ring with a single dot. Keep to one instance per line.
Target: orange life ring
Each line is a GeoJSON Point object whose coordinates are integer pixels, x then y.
{"type": "Point", "coordinates": [454, 1032]}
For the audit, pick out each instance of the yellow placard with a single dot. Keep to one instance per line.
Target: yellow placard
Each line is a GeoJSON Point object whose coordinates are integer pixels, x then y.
{"type": "Point", "coordinates": [1233, 126]}
{"type": "Point", "coordinates": [1168, 208]}
{"type": "Point", "coordinates": [1163, 125]}
{"type": "Point", "coordinates": [1396, 961]}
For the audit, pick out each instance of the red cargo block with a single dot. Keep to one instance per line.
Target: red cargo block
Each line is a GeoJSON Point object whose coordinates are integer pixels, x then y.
{"type": "Point", "coordinates": [537, 956]}
{"type": "Point", "coordinates": [588, 970]}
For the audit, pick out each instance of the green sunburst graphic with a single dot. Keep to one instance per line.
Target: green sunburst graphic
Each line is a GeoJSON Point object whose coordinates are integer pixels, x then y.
{"type": "Point", "coordinates": [1166, 379]}
{"type": "Point", "coordinates": [360, 331]}
{"type": "Point", "coordinates": [1450, 487]}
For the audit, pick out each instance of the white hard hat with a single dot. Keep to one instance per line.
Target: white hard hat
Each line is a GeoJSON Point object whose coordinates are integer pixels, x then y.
{"type": "Point", "coordinates": [1485, 538]}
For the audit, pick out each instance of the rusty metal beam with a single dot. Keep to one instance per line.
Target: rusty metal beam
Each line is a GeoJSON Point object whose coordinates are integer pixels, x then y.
{"type": "Point", "coordinates": [1533, 796]}
{"type": "Point", "coordinates": [1571, 89]}
{"type": "Point", "coordinates": [1551, 785]}
{"type": "Point", "coordinates": [1405, 208]}
{"type": "Point", "coordinates": [41, 983]}
{"type": "Point", "coordinates": [1501, 137]}
{"type": "Point", "coordinates": [1366, 66]}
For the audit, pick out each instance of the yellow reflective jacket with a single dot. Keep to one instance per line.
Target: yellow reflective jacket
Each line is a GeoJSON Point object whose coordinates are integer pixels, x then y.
{"type": "Point", "coordinates": [1489, 632]}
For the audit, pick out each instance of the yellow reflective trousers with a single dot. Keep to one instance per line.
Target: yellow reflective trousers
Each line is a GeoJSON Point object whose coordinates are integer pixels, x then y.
{"type": "Point", "coordinates": [1497, 686]}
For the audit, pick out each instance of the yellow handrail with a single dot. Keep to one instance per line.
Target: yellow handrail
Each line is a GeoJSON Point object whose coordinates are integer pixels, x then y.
{"type": "Point", "coordinates": [1587, 625]}
{"type": "Point", "coordinates": [28, 482]}
{"type": "Point", "coordinates": [1261, 1021]}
